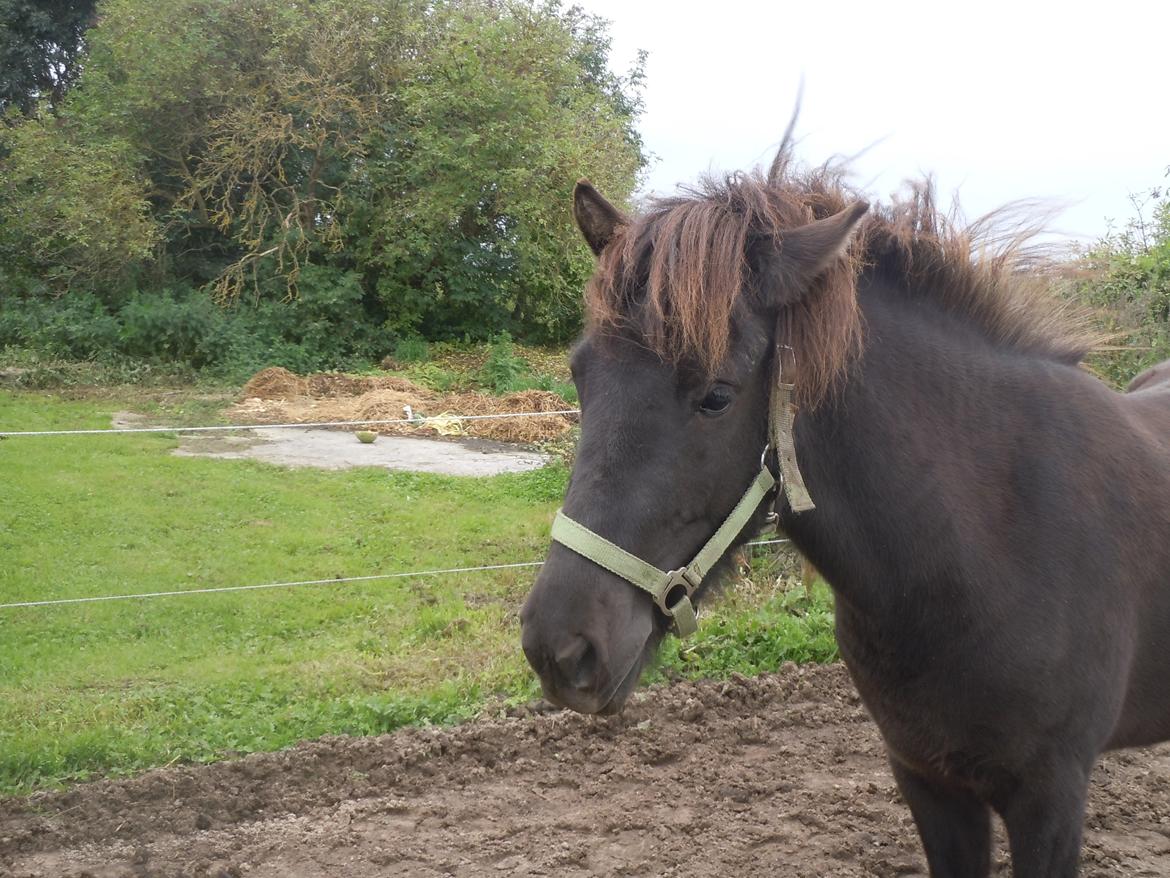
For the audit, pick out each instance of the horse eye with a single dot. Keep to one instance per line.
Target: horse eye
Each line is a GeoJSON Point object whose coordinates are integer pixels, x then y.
{"type": "Point", "coordinates": [717, 400]}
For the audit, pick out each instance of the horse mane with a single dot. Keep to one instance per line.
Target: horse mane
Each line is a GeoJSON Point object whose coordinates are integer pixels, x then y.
{"type": "Point", "coordinates": [674, 274]}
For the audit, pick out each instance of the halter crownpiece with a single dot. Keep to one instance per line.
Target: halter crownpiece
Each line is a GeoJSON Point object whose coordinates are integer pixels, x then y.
{"type": "Point", "coordinates": [672, 590]}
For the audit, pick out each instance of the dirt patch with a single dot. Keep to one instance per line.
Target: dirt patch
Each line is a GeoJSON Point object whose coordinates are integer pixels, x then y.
{"type": "Point", "coordinates": [779, 775]}
{"type": "Point", "coordinates": [279, 396]}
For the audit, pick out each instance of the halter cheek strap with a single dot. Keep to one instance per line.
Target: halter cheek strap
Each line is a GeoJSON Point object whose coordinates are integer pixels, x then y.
{"type": "Point", "coordinates": [672, 590]}
{"type": "Point", "coordinates": [781, 425]}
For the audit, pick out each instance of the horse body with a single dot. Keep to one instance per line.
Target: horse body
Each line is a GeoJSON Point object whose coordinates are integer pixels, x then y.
{"type": "Point", "coordinates": [1002, 579]}
{"type": "Point", "coordinates": [1146, 717]}
{"type": "Point", "coordinates": [992, 519]}
{"type": "Point", "coordinates": [1007, 510]}
{"type": "Point", "coordinates": [1154, 378]}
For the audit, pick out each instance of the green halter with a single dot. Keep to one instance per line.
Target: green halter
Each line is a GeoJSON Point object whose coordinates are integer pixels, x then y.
{"type": "Point", "coordinates": [672, 590]}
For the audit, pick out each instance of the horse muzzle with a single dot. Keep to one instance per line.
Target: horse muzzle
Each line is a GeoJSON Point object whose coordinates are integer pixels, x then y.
{"type": "Point", "coordinates": [587, 637]}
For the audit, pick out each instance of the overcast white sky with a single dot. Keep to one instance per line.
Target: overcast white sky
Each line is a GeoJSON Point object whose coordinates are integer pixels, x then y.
{"type": "Point", "coordinates": [1000, 101]}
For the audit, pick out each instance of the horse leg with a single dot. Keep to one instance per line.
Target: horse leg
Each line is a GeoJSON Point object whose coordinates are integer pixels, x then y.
{"type": "Point", "coordinates": [955, 827]}
{"type": "Point", "coordinates": [1044, 820]}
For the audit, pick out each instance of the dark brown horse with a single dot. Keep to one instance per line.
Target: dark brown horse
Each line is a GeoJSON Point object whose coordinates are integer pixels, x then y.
{"type": "Point", "coordinates": [994, 521]}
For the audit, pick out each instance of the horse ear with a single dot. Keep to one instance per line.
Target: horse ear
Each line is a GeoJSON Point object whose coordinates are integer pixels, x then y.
{"type": "Point", "coordinates": [805, 253]}
{"type": "Point", "coordinates": [596, 217]}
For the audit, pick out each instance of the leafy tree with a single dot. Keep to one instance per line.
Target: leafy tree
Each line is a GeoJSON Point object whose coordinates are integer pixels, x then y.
{"type": "Point", "coordinates": [75, 212]}
{"type": "Point", "coordinates": [423, 150]}
{"type": "Point", "coordinates": [465, 228]}
{"type": "Point", "coordinates": [278, 161]}
{"type": "Point", "coordinates": [41, 43]}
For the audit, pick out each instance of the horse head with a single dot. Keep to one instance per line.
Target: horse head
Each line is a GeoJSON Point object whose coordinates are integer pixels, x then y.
{"type": "Point", "coordinates": [675, 374]}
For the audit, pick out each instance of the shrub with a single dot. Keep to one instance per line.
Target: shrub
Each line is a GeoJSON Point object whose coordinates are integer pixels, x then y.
{"type": "Point", "coordinates": [1129, 283]}
{"type": "Point", "coordinates": [412, 349]}
{"type": "Point", "coordinates": [183, 327]}
{"type": "Point", "coordinates": [503, 371]}
{"type": "Point", "coordinates": [328, 326]}
{"type": "Point", "coordinates": [76, 327]}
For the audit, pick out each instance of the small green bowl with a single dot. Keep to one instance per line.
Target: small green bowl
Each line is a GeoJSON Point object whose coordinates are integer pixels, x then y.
{"type": "Point", "coordinates": [366, 436]}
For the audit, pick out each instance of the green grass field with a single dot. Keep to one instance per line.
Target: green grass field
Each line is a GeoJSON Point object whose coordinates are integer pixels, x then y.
{"type": "Point", "coordinates": [112, 688]}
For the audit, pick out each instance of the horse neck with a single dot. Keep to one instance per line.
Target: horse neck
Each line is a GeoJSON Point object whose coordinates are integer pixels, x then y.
{"type": "Point", "coordinates": [929, 437]}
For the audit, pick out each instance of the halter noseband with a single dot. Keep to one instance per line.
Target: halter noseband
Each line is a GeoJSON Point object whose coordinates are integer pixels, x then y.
{"type": "Point", "coordinates": [672, 590]}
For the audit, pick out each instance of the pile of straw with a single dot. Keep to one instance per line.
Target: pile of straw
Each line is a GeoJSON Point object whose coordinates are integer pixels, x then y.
{"type": "Point", "coordinates": [279, 396]}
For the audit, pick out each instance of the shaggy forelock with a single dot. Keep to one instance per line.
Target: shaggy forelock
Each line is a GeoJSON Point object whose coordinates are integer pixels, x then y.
{"type": "Point", "coordinates": [675, 275]}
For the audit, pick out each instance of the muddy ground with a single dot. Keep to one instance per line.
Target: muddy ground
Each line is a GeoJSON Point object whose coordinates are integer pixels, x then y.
{"type": "Point", "coordinates": [780, 775]}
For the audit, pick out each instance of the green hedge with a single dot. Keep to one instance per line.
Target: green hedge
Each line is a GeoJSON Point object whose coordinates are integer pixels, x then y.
{"type": "Point", "coordinates": [330, 325]}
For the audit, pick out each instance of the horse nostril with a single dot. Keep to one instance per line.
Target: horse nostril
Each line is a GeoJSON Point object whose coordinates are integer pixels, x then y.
{"type": "Point", "coordinates": [577, 663]}
{"type": "Point", "coordinates": [533, 651]}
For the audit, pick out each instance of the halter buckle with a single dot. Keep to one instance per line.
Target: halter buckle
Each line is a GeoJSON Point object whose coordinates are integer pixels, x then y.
{"type": "Point", "coordinates": [684, 576]}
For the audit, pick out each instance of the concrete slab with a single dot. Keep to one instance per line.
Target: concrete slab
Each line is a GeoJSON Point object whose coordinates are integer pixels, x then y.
{"type": "Point", "coordinates": [336, 449]}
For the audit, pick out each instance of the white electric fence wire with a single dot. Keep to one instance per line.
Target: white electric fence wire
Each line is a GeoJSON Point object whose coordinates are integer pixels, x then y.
{"type": "Point", "coordinates": [267, 585]}
{"type": "Point", "coordinates": [270, 585]}
{"type": "Point", "coordinates": [223, 428]}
